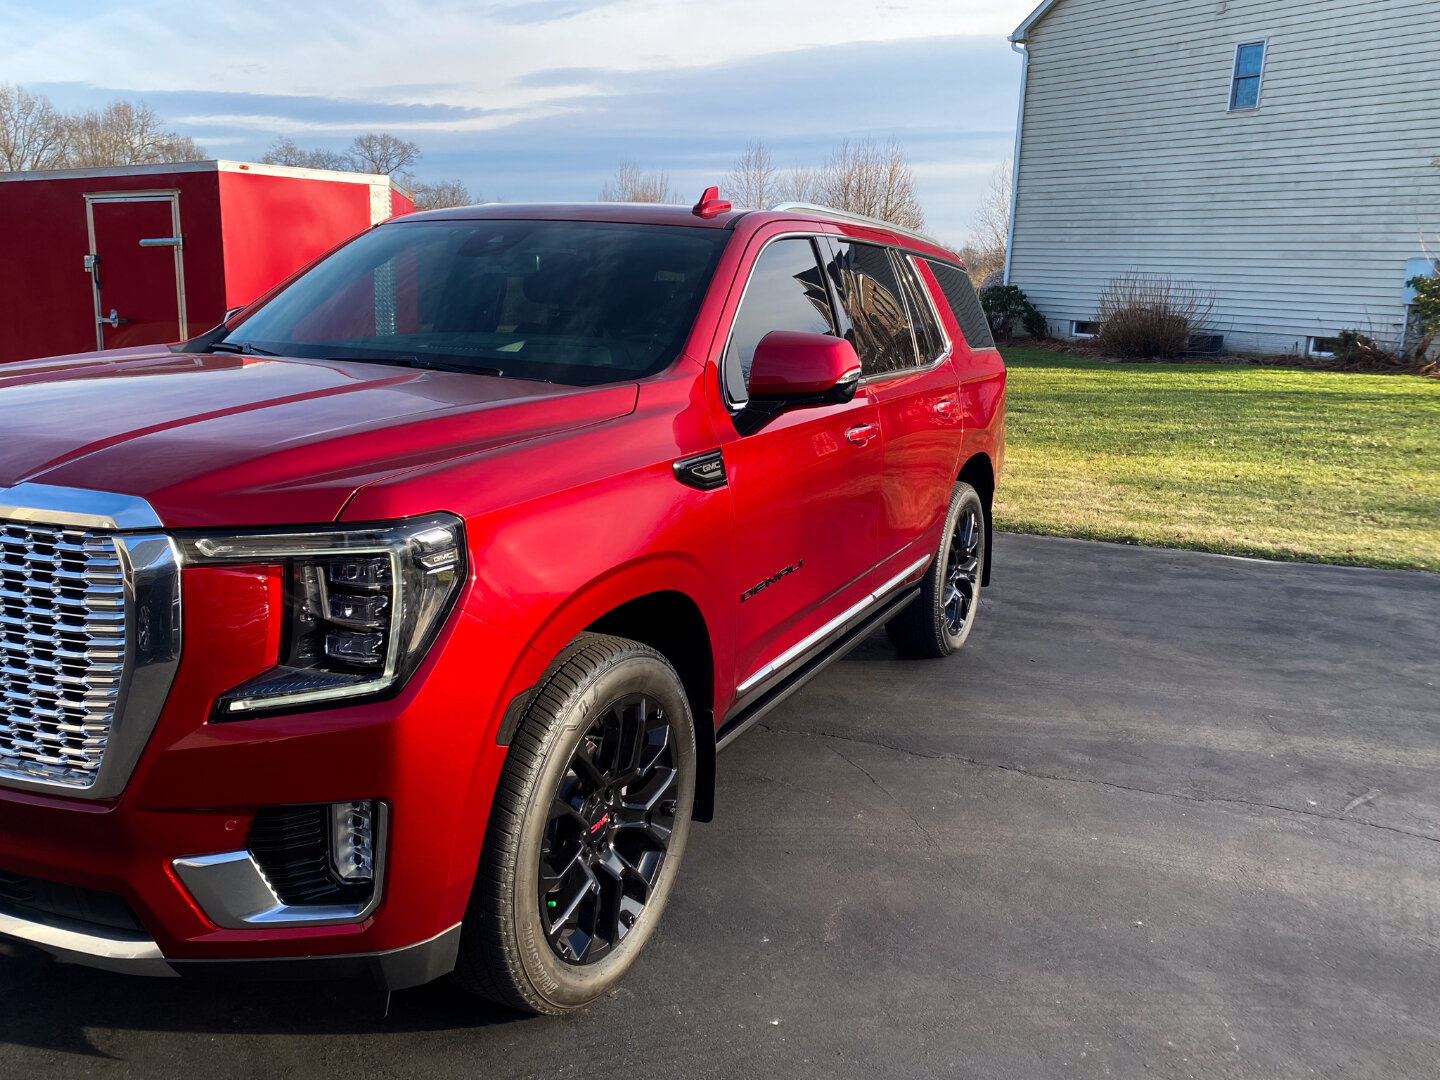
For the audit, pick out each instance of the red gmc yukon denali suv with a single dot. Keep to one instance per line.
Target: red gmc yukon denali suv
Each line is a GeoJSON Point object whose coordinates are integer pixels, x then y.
{"type": "Point", "coordinates": [391, 628]}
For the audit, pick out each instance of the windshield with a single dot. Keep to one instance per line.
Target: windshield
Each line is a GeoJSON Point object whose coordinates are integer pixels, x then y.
{"type": "Point", "coordinates": [562, 301]}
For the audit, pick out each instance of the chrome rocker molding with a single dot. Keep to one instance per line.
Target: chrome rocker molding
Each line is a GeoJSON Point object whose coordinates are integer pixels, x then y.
{"type": "Point", "coordinates": [797, 665]}
{"type": "Point", "coordinates": [835, 626]}
{"type": "Point", "coordinates": [150, 564]}
{"type": "Point", "coordinates": [233, 892]}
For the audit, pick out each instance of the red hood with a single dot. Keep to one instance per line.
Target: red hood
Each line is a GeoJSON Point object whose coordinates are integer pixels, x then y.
{"type": "Point", "coordinates": [223, 440]}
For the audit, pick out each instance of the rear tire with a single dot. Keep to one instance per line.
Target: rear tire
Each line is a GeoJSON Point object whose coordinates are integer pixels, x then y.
{"type": "Point", "coordinates": [586, 832]}
{"type": "Point", "coordinates": [939, 622]}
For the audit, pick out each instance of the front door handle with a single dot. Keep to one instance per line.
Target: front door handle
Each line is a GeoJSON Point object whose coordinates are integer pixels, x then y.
{"type": "Point", "coordinates": [862, 435]}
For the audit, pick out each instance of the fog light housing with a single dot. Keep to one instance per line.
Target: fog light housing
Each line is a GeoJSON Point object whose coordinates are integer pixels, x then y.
{"type": "Point", "coordinates": [322, 854]}
{"type": "Point", "coordinates": [352, 841]}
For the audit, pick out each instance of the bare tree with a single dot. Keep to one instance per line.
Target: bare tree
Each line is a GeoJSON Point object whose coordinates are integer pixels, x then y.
{"type": "Point", "coordinates": [802, 184]}
{"type": "Point", "coordinates": [754, 182]}
{"type": "Point", "coordinates": [284, 151]}
{"type": "Point", "coordinates": [633, 185]}
{"type": "Point", "coordinates": [439, 195]}
{"type": "Point", "coordinates": [877, 181]}
{"type": "Point", "coordinates": [125, 134]}
{"type": "Point", "coordinates": [990, 226]}
{"type": "Point", "coordinates": [377, 152]}
{"type": "Point", "coordinates": [32, 131]}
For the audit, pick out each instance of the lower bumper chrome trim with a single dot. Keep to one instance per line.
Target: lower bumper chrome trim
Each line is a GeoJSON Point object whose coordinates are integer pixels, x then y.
{"type": "Point", "coordinates": [93, 946]}
{"type": "Point", "coordinates": [134, 954]}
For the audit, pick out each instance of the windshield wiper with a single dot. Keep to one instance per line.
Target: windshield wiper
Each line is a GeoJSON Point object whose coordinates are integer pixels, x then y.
{"type": "Point", "coordinates": [412, 361]}
{"type": "Point", "coordinates": [242, 347]}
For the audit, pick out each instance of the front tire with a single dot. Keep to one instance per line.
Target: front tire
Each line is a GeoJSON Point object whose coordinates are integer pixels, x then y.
{"type": "Point", "coordinates": [939, 622]}
{"type": "Point", "coordinates": [586, 832]}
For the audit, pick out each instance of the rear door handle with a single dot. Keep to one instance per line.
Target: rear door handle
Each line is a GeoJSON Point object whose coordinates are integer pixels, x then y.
{"type": "Point", "coordinates": [946, 407]}
{"type": "Point", "coordinates": [862, 435]}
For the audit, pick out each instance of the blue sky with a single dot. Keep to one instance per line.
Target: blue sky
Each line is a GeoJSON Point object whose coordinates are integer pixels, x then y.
{"type": "Point", "coordinates": [540, 100]}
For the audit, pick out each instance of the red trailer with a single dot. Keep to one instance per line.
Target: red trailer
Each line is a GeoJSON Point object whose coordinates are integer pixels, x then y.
{"type": "Point", "coordinates": [144, 254]}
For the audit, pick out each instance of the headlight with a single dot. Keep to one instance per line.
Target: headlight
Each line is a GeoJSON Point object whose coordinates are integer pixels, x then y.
{"type": "Point", "coordinates": [362, 605]}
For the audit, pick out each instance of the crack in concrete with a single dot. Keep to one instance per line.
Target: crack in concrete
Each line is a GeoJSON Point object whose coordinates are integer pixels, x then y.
{"type": "Point", "coordinates": [1018, 771]}
{"type": "Point", "coordinates": [939, 849]}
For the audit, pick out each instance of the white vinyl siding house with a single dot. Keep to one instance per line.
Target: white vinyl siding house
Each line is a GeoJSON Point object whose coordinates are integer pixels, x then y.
{"type": "Point", "coordinates": [1304, 214]}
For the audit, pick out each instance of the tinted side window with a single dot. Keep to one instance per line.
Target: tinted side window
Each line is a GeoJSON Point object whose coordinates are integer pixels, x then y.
{"type": "Point", "coordinates": [929, 338]}
{"type": "Point", "coordinates": [960, 294]}
{"type": "Point", "coordinates": [786, 292]}
{"type": "Point", "coordinates": [880, 330]}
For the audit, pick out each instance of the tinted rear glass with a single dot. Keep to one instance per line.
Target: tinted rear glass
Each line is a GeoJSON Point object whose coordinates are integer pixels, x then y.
{"type": "Point", "coordinates": [562, 301]}
{"type": "Point", "coordinates": [871, 294]}
{"type": "Point", "coordinates": [960, 294]}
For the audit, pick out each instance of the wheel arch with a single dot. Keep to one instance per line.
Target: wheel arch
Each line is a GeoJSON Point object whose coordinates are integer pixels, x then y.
{"type": "Point", "coordinates": [979, 472]}
{"type": "Point", "coordinates": [656, 604]}
{"type": "Point", "coordinates": [672, 624]}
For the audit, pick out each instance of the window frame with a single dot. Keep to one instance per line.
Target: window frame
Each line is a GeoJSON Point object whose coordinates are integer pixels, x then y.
{"type": "Point", "coordinates": [913, 261]}
{"type": "Point", "coordinates": [838, 319]}
{"type": "Point", "coordinates": [896, 253]}
{"type": "Point", "coordinates": [1236, 77]}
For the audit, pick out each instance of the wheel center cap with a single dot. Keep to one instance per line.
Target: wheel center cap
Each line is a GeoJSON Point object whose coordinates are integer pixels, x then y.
{"type": "Point", "coordinates": [605, 820]}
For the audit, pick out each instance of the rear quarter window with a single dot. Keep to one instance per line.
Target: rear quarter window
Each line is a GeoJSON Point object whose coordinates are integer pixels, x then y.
{"type": "Point", "coordinates": [964, 304]}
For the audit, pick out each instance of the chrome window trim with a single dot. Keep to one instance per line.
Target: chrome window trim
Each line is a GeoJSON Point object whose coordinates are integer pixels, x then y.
{"type": "Point", "coordinates": [836, 625]}
{"type": "Point", "coordinates": [917, 369]}
{"type": "Point", "coordinates": [234, 893]}
{"type": "Point", "coordinates": [150, 565]}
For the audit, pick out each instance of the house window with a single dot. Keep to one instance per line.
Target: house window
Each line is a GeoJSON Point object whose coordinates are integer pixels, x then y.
{"type": "Point", "coordinates": [1080, 328]}
{"type": "Point", "coordinates": [1249, 67]}
{"type": "Point", "coordinates": [1325, 347]}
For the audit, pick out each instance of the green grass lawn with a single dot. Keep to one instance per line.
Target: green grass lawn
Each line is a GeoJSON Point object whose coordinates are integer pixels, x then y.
{"type": "Point", "coordinates": [1270, 462]}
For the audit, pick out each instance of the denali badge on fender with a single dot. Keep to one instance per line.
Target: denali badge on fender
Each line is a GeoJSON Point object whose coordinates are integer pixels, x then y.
{"type": "Point", "coordinates": [749, 594]}
{"type": "Point", "coordinates": [704, 471]}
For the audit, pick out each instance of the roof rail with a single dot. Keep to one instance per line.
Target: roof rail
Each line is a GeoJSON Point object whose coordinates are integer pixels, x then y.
{"type": "Point", "coordinates": [859, 219]}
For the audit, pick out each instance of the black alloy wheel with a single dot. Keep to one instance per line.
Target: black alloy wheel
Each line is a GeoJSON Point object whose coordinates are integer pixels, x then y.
{"type": "Point", "coordinates": [586, 832]}
{"type": "Point", "coordinates": [608, 831]}
{"type": "Point", "coordinates": [939, 622]}
{"type": "Point", "coordinates": [962, 568]}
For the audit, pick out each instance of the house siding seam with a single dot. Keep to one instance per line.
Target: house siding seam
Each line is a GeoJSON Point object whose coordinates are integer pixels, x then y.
{"type": "Point", "coordinates": [1300, 216]}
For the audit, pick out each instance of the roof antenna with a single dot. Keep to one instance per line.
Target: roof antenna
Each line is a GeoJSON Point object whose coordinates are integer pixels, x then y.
{"type": "Point", "coordinates": [710, 204]}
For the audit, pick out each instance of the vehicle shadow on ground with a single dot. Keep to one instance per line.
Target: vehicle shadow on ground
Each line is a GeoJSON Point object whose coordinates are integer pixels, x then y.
{"type": "Point", "coordinates": [49, 1006]}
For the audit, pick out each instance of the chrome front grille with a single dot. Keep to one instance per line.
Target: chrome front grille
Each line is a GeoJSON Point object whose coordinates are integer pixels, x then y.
{"type": "Point", "coordinates": [62, 651]}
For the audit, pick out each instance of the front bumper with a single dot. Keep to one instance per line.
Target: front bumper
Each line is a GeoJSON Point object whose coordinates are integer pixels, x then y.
{"type": "Point", "coordinates": [429, 755]}
{"type": "Point", "coordinates": [115, 950]}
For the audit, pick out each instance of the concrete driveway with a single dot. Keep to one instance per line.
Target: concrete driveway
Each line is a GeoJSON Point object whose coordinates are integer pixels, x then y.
{"type": "Point", "coordinates": [1168, 815]}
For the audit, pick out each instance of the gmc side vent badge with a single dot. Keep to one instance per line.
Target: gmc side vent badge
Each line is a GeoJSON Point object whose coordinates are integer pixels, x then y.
{"type": "Point", "coordinates": [703, 471]}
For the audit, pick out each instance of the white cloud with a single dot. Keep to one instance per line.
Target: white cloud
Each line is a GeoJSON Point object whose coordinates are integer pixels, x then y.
{"type": "Point", "coordinates": [450, 53]}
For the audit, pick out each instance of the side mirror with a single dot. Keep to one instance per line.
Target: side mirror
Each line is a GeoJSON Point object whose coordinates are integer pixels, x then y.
{"type": "Point", "coordinates": [793, 370]}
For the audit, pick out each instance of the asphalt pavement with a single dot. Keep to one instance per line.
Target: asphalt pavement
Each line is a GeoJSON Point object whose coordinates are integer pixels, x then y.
{"type": "Point", "coordinates": [1167, 815]}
